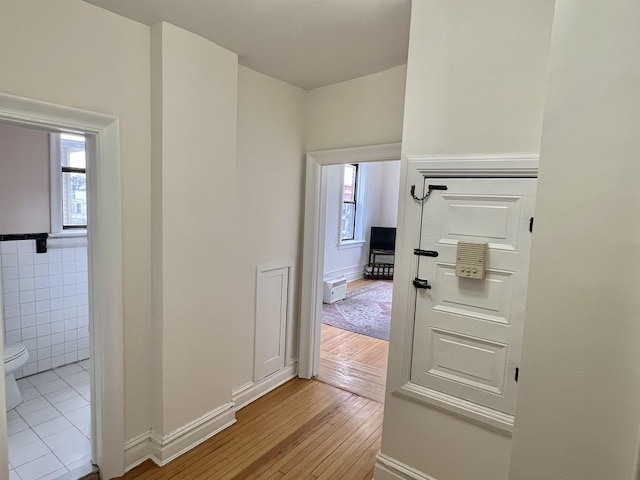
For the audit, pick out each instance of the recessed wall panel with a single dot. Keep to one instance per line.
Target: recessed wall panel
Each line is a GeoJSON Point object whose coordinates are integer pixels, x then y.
{"type": "Point", "coordinates": [471, 361]}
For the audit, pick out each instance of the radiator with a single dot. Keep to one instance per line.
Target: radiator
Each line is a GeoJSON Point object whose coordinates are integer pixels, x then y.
{"type": "Point", "coordinates": [334, 290]}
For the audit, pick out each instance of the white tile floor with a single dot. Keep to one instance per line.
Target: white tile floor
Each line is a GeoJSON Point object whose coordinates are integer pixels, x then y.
{"type": "Point", "coordinates": [49, 433]}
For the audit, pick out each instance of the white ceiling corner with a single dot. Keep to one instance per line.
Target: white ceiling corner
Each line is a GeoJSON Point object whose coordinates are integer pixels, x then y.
{"type": "Point", "coordinates": [308, 43]}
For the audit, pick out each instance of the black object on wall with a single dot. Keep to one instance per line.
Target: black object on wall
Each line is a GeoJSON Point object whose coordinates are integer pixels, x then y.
{"type": "Point", "coordinates": [40, 238]}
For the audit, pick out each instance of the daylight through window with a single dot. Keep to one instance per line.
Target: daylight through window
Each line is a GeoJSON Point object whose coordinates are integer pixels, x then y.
{"type": "Point", "coordinates": [349, 202]}
{"type": "Point", "coordinates": [73, 164]}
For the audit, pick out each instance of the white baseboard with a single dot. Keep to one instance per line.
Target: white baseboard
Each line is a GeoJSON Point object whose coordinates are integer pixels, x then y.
{"type": "Point", "coordinates": [388, 468]}
{"type": "Point", "coordinates": [164, 448]}
{"type": "Point", "coordinates": [168, 447]}
{"type": "Point", "coordinates": [249, 392]}
{"type": "Point", "coordinates": [137, 450]}
{"type": "Point", "coordinates": [355, 272]}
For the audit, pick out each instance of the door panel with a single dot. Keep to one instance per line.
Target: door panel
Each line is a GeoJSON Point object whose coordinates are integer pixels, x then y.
{"type": "Point", "coordinates": [488, 300]}
{"type": "Point", "coordinates": [467, 332]}
{"type": "Point", "coordinates": [467, 360]}
{"type": "Point", "coordinates": [271, 320]}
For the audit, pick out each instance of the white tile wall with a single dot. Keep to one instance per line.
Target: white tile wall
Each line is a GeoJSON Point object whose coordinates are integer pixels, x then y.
{"type": "Point", "coordinates": [45, 301]}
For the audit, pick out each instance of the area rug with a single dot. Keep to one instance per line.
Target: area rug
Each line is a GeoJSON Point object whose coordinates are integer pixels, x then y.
{"type": "Point", "coordinates": [366, 311]}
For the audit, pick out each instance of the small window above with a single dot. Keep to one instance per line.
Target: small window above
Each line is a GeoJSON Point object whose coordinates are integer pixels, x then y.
{"type": "Point", "coordinates": [68, 182]}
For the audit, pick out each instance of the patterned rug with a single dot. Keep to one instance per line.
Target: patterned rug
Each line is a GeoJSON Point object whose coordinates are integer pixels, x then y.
{"type": "Point", "coordinates": [366, 311]}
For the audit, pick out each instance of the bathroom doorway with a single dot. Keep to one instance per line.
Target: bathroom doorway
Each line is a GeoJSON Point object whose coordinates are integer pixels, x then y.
{"type": "Point", "coordinates": [45, 300]}
{"type": "Point", "coordinates": [78, 276]}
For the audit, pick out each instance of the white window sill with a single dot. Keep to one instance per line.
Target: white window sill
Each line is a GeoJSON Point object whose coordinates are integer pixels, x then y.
{"type": "Point", "coordinates": [79, 233]}
{"type": "Point", "coordinates": [351, 244]}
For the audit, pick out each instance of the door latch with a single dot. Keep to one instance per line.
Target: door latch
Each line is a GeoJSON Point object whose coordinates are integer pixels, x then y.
{"type": "Point", "coordinates": [420, 283]}
{"type": "Point", "coordinates": [425, 253]}
{"type": "Point", "coordinates": [426, 195]}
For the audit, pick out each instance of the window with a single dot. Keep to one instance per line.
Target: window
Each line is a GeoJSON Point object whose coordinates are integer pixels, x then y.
{"type": "Point", "coordinates": [349, 202]}
{"type": "Point", "coordinates": [68, 182]}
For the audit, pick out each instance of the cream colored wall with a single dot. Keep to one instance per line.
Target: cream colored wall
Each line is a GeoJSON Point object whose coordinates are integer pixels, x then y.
{"type": "Point", "coordinates": [476, 76]}
{"type": "Point", "coordinates": [475, 84]}
{"type": "Point", "coordinates": [268, 199]}
{"type": "Point", "coordinates": [364, 111]}
{"type": "Point", "coordinates": [24, 180]}
{"type": "Point", "coordinates": [196, 259]}
{"type": "Point", "coordinates": [71, 53]}
{"type": "Point", "coordinates": [578, 411]}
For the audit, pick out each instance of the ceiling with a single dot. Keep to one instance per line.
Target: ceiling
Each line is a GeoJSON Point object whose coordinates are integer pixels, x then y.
{"type": "Point", "coordinates": [308, 43]}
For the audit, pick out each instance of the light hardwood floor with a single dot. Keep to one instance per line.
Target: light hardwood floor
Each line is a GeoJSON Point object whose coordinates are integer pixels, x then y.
{"type": "Point", "coordinates": [354, 362]}
{"type": "Point", "coordinates": [305, 429]}
{"type": "Point", "coordinates": [324, 429]}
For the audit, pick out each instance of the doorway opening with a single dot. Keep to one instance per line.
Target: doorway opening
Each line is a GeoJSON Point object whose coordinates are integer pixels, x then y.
{"type": "Point", "coordinates": [315, 241]}
{"type": "Point", "coordinates": [45, 301]}
{"type": "Point", "coordinates": [359, 254]}
{"type": "Point", "coordinates": [103, 286]}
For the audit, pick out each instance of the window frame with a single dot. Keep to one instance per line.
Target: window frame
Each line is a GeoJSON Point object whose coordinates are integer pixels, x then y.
{"type": "Point", "coordinates": [361, 209]}
{"type": "Point", "coordinates": [354, 202]}
{"type": "Point", "coordinates": [56, 171]}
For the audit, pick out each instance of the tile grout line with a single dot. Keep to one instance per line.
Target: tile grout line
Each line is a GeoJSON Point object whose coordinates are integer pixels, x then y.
{"type": "Point", "coordinates": [61, 414]}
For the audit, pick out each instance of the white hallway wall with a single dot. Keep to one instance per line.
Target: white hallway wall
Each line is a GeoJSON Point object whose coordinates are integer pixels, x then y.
{"type": "Point", "coordinates": [268, 202]}
{"type": "Point", "coordinates": [475, 84]}
{"type": "Point", "coordinates": [192, 178]}
{"type": "Point", "coordinates": [578, 412]}
{"type": "Point", "coordinates": [71, 53]}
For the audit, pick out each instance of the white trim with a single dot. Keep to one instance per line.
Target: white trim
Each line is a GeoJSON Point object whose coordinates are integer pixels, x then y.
{"type": "Point", "coordinates": [163, 449]}
{"type": "Point", "coordinates": [472, 412]}
{"type": "Point", "coordinates": [137, 450]}
{"type": "Point", "coordinates": [348, 244]}
{"type": "Point", "coordinates": [314, 241]}
{"type": "Point", "coordinates": [388, 468]}
{"type": "Point", "coordinates": [166, 448]}
{"type": "Point", "coordinates": [105, 264]}
{"type": "Point", "coordinates": [355, 272]}
{"type": "Point", "coordinates": [55, 184]}
{"type": "Point", "coordinates": [481, 166]}
{"type": "Point", "coordinates": [289, 327]}
{"type": "Point", "coordinates": [518, 165]}
{"type": "Point", "coordinates": [250, 391]}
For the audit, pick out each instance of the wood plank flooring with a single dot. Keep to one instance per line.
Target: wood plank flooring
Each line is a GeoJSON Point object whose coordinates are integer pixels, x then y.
{"type": "Point", "coordinates": [305, 429]}
{"type": "Point", "coordinates": [324, 429]}
{"type": "Point", "coordinates": [354, 362]}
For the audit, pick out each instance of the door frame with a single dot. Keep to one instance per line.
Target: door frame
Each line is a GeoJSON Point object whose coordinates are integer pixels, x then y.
{"type": "Point", "coordinates": [314, 242]}
{"type": "Point", "coordinates": [104, 239]}
{"type": "Point", "coordinates": [419, 167]}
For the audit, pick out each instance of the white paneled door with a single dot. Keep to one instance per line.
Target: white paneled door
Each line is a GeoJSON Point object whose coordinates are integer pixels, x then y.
{"type": "Point", "coordinates": [468, 331]}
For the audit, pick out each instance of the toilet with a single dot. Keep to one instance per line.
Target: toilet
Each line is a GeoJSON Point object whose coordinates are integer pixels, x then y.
{"type": "Point", "coordinates": [15, 356]}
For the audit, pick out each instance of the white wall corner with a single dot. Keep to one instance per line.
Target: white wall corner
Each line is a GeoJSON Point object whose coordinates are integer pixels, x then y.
{"type": "Point", "coordinates": [249, 392]}
{"type": "Point", "coordinates": [388, 468]}
{"type": "Point", "coordinates": [163, 449]}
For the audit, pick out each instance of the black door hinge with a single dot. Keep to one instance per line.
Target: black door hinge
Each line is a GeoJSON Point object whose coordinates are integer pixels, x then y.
{"type": "Point", "coordinates": [425, 253]}
{"type": "Point", "coordinates": [517, 373]}
{"type": "Point", "coordinates": [531, 224]}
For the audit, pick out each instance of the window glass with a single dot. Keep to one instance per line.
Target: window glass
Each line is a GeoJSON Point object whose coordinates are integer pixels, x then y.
{"type": "Point", "coordinates": [349, 204]}
{"type": "Point", "coordinates": [74, 181]}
